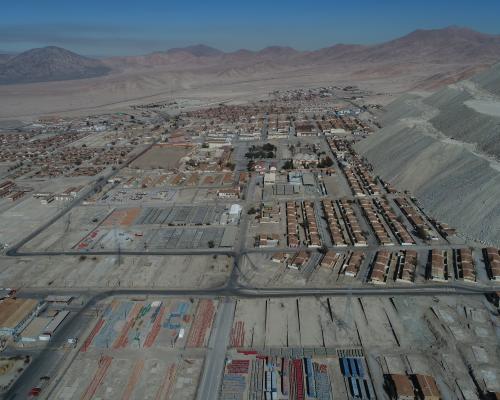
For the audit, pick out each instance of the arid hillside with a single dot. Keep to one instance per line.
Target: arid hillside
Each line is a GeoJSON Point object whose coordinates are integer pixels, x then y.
{"type": "Point", "coordinates": [445, 148]}
{"type": "Point", "coordinates": [49, 64]}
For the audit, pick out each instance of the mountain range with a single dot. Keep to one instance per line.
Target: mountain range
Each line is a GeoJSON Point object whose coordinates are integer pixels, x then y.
{"type": "Point", "coordinates": [461, 50]}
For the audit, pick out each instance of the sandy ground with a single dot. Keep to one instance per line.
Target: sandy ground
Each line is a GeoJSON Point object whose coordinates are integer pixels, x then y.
{"type": "Point", "coordinates": [396, 335]}
{"type": "Point", "coordinates": [113, 271]}
{"type": "Point", "coordinates": [115, 92]}
{"type": "Point", "coordinates": [149, 364]}
{"type": "Point", "coordinates": [160, 157]}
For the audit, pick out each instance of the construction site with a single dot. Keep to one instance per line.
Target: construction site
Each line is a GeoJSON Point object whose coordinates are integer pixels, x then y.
{"type": "Point", "coordinates": [349, 347]}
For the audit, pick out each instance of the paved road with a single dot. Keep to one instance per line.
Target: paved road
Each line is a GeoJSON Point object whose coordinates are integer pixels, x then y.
{"type": "Point", "coordinates": [227, 251]}
{"type": "Point", "coordinates": [208, 389]}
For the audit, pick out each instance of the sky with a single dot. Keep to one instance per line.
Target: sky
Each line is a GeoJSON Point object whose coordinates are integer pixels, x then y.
{"type": "Point", "coordinates": [111, 27]}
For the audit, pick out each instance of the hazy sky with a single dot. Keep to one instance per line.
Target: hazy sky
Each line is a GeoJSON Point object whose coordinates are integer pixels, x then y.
{"type": "Point", "coordinates": [111, 27]}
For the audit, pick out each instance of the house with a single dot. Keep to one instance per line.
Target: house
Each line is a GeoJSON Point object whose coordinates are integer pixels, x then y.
{"type": "Point", "coordinates": [267, 240]}
{"type": "Point", "coordinates": [299, 260]}
{"type": "Point", "coordinates": [260, 167]}
{"type": "Point", "coordinates": [269, 178]}
{"type": "Point", "coordinates": [304, 160]}
{"type": "Point", "coordinates": [279, 257]}
{"type": "Point", "coordinates": [426, 388]}
{"type": "Point", "coordinates": [401, 387]}
{"type": "Point", "coordinates": [329, 260]}
{"type": "Point", "coordinates": [230, 193]}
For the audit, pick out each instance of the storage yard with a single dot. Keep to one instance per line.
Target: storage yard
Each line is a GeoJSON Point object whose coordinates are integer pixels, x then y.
{"type": "Point", "coordinates": [141, 349]}
{"type": "Point", "coordinates": [352, 346]}
{"type": "Point", "coordinates": [149, 228]}
{"type": "Point", "coordinates": [292, 374]}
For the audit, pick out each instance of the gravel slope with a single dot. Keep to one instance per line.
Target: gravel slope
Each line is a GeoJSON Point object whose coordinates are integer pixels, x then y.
{"type": "Point", "coordinates": [444, 152]}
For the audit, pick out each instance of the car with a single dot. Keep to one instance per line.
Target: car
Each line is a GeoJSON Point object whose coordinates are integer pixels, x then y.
{"type": "Point", "coordinates": [35, 391]}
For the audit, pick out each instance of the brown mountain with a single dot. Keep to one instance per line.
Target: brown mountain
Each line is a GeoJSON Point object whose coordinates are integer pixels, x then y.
{"type": "Point", "coordinates": [49, 64]}
{"type": "Point", "coordinates": [199, 50]}
{"type": "Point", "coordinates": [449, 45]}
{"type": "Point", "coordinates": [452, 45]}
{"type": "Point", "coordinates": [446, 46]}
{"type": "Point", "coordinates": [431, 57]}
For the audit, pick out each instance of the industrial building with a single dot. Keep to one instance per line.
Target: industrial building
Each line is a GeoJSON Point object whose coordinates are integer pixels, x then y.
{"type": "Point", "coordinates": [15, 314]}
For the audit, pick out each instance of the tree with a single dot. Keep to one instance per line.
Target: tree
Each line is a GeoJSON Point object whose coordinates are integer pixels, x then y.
{"type": "Point", "coordinates": [269, 147]}
{"type": "Point", "coordinates": [421, 232]}
{"type": "Point", "coordinates": [288, 165]}
{"type": "Point", "coordinates": [325, 162]}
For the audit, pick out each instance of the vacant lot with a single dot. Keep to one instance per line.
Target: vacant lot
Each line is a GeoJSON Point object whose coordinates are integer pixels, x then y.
{"type": "Point", "coordinates": [161, 156]}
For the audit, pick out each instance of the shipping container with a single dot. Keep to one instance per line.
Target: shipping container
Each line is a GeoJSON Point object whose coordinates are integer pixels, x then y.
{"type": "Point", "coordinates": [359, 366]}
{"type": "Point", "coordinates": [352, 366]}
{"type": "Point", "coordinates": [345, 367]}
{"type": "Point", "coordinates": [364, 390]}
{"type": "Point", "coordinates": [353, 383]}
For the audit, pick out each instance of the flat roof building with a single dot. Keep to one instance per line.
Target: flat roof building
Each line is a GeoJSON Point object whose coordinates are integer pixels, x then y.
{"type": "Point", "coordinates": [402, 388]}
{"type": "Point", "coordinates": [427, 388]}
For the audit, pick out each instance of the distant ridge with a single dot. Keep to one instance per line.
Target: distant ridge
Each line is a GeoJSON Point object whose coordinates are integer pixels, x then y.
{"type": "Point", "coordinates": [49, 64]}
{"type": "Point", "coordinates": [199, 50]}
{"type": "Point", "coordinates": [460, 51]}
{"type": "Point", "coordinates": [442, 46]}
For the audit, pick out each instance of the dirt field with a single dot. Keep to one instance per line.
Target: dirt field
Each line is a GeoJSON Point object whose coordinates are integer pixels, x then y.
{"type": "Point", "coordinates": [10, 369]}
{"type": "Point", "coordinates": [114, 271]}
{"type": "Point", "coordinates": [394, 335]}
{"type": "Point", "coordinates": [160, 156]}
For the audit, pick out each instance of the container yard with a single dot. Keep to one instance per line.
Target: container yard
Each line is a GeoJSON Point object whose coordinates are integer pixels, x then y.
{"type": "Point", "coordinates": [282, 374]}
{"type": "Point", "coordinates": [166, 323]}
